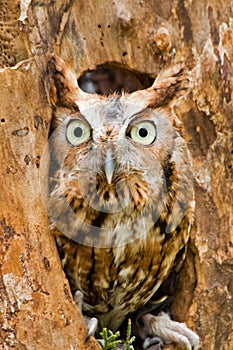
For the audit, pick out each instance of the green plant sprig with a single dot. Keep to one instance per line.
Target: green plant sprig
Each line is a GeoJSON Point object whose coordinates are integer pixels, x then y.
{"type": "Point", "coordinates": [110, 340]}
{"type": "Point", "coordinates": [128, 341]}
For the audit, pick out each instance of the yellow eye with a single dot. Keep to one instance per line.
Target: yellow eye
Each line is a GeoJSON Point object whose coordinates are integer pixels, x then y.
{"type": "Point", "coordinates": [143, 133]}
{"type": "Point", "coordinates": [77, 132]}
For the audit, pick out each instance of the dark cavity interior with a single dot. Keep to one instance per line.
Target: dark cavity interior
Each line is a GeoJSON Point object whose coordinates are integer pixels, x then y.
{"type": "Point", "coordinates": [107, 79]}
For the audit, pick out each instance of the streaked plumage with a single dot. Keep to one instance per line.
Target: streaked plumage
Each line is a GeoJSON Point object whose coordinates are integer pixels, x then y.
{"type": "Point", "coordinates": [121, 209]}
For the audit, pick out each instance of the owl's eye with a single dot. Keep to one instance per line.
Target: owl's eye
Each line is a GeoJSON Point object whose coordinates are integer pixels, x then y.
{"type": "Point", "coordinates": [77, 132]}
{"type": "Point", "coordinates": [143, 133]}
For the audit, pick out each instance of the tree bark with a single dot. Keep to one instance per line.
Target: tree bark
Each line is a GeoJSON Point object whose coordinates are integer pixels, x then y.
{"type": "Point", "coordinates": [36, 306]}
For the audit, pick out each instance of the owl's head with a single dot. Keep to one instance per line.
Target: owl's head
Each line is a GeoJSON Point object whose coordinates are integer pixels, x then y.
{"type": "Point", "coordinates": [122, 153]}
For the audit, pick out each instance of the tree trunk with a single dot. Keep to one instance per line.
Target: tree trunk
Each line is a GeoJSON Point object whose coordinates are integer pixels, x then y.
{"type": "Point", "coordinates": [36, 306]}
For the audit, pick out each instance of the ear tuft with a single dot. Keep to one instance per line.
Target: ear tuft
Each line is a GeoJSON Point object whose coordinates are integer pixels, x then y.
{"type": "Point", "coordinates": [63, 87]}
{"type": "Point", "coordinates": [169, 83]}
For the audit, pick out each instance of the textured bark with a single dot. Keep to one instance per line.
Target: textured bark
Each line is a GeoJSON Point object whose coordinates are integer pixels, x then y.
{"type": "Point", "coordinates": [36, 307]}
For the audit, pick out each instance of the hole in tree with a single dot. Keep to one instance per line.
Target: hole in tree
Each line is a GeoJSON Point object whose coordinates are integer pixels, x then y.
{"type": "Point", "coordinates": [109, 78]}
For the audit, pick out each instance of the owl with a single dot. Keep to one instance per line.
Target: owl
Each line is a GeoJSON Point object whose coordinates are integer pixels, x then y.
{"type": "Point", "coordinates": [121, 201]}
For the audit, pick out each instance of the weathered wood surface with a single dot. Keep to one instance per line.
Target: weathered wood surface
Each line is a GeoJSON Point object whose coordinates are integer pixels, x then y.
{"type": "Point", "coordinates": [36, 309]}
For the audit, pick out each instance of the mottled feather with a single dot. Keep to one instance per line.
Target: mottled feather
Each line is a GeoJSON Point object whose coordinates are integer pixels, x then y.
{"type": "Point", "coordinates": [120, 240]}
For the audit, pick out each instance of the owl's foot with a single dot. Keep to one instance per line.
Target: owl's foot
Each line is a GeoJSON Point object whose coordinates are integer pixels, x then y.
{"type": "Point", "coordinates": [169, 331]}
{"type": "Point", "coordinates": [91, 323]}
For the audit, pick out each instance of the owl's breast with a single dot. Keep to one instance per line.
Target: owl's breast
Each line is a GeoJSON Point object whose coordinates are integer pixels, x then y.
{"type": "Point", "coordinates": [119, 280]}
{"type": "Point", "coordinates": [119, 240]}
{"type": "Point", "coordinates": [95, 213]}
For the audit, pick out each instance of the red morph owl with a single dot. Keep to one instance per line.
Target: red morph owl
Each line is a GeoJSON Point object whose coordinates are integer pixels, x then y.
{"type": "Point", "coordinates": [121, 202]}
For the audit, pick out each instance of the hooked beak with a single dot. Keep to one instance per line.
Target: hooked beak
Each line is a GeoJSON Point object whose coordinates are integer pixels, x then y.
{"type": "Point", "coordinates": [109, 166]}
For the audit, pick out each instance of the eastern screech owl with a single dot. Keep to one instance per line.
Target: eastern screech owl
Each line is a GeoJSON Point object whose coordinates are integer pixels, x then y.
{"type": "Point", "coordinates": [121, 197]}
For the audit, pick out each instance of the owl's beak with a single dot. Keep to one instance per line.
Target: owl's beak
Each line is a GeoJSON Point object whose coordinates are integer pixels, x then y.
{"type": "Point", "coordinates": [109, 166]}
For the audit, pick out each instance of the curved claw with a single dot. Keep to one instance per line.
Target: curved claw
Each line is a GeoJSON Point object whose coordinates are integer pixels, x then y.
{"type": "Point", "coordinates": [92, 326]}
{"type": "Point", "coordinates": [91, 323]}
{"type": "Point", "coordinates": [154, 343]}
{"type": "Point", "coordinates": [78, 298]}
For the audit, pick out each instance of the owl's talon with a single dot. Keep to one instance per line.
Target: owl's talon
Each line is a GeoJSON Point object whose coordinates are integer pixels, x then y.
{"type": "Point", "coordinates": [92, 326]}
{"type": "Point", "coordinates": [155, 343]}
{"type": "Point", "coordinates": [170, 331]}
{"type": "Point", "coordinates": [78, 298]}
{"type": "Point", "coordinates": [91, 323]}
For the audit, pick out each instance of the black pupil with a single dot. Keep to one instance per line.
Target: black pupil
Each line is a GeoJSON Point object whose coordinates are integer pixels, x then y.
{"type": "Point", "coordinates": [143, 132]}
{"type": "Point", "coordinates": [78, 132]}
